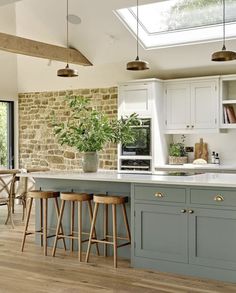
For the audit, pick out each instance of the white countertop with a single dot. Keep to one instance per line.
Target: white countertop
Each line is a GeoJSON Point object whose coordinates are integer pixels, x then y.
{"type": "Point", "coordinates": [207, 179]}
{"type": "Point", "coordinates": [208, 167]}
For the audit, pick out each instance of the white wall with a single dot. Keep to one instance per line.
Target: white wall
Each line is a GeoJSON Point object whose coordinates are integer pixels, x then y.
{"type": "Point", "coordinates": [36, 74]}
{"type": "Point", "coordinates": [222, 143]}
{"type": "Point", "coordinates": [8, 61]}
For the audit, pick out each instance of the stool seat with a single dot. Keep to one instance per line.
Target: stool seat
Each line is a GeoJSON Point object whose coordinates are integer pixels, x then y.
{"type": "Point", "coordinates": [110, 199]}
{"type": "Point", "coordinates": [42, 194]}
{"type": "Point", "coordinates": [73, 196]}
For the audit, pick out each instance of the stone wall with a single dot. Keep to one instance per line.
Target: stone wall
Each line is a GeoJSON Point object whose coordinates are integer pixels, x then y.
{"type": "Point", "coordinates": [38, 146]}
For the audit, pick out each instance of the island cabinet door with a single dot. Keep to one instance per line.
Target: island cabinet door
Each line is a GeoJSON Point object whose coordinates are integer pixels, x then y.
{"type": "Point", "coordinates": [161, 232]}
{"type": "Point", "coordinates": [212, 238]}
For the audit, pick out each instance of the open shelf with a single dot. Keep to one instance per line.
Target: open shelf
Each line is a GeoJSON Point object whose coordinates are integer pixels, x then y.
{"type": "Point", "coordinates": [228, 102]}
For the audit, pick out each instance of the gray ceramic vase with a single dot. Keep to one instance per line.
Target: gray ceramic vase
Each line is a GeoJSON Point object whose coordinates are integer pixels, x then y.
{"type": "Point", "coordinates": [90, 162]}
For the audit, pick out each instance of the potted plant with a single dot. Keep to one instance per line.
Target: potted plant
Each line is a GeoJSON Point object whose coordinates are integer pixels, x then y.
{"type": "Point", "coordinates": [177, 153]}
{"type": "Point", "coordinates": [88, 130]}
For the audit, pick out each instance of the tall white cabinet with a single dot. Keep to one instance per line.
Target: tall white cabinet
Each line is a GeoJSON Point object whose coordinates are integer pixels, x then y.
{"type": "Point", "coordinates": [192, 105]}
{"type": "Point", "coordinates": [145, 97]}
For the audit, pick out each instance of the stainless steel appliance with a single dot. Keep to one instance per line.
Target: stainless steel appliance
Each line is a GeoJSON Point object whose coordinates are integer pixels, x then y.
{"type": "Point", "coordinates": [136, 157]}
{"type": "Point", "coordinates": [142, 144]}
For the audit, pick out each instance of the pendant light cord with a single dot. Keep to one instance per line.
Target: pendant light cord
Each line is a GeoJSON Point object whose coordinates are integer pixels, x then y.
{"type": "Point", "coordinates": [137, 32]}
{"type": "Point", "coordinates": [67, 30]}
{"type": "Point", "coordinates": [224, 48]}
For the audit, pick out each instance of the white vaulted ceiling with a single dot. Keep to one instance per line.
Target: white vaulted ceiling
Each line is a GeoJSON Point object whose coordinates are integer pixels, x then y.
{"type": "Point", "coordinates": [105, 41]}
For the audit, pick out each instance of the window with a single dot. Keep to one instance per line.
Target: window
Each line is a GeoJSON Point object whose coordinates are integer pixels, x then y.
{"type": "Point", "coordinates": [6, 134]}
{"type": "Point", "coordinates": [180, 22]}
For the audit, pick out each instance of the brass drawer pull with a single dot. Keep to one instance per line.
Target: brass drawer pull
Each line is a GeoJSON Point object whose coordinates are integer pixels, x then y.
{"type": "Point", "coordinates": [218, 198]}
{"type": "Point", "coordinates": [159, 194]}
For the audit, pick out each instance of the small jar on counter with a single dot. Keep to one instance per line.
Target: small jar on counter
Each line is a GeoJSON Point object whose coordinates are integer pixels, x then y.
{"type": "Point", "coordinates": [217, 159]}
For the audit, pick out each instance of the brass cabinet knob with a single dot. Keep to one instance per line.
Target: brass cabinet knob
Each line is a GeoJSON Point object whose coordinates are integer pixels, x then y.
{"type": "Point", "coordinates": [187, 126]}
{"type": "Point", "coordinates": [190, 211]}
{"type": "Point", "coordinates": [159, 194]}
{"type": "Point", "coordinates": [192, 126]}
{"type": "Point", "coordinates": [183, 211]}
{"type": "Point", "coordinates": [218, 197]}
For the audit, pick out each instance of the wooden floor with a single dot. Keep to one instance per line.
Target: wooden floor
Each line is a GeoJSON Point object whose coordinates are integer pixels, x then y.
{"type": "Point", "coordinates": [32, 272]}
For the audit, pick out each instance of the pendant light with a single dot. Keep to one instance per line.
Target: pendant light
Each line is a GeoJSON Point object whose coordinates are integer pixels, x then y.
{"type": "Point", "coordinates": [137, 64]}
{"type": "Point", "coordinates": [223, 55]}
{"type": "Point", "coordinates": [67, 71]}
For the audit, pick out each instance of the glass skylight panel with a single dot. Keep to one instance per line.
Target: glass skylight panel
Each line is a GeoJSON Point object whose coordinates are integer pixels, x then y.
{"type": "Point", "coordinates": [176, 22]}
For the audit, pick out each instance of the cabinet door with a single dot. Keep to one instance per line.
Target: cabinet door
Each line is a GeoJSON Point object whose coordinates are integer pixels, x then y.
{"type": "Point", "coordinates": [204, 105]}
{"type": "Point", "coordinates": [161, 232]}
{"type": "Point", "coordinates": [135, 98]}
{"type": "Point", "coordinates": [212, 241]}
{"type": "Point", "coordinates": [177, 99]}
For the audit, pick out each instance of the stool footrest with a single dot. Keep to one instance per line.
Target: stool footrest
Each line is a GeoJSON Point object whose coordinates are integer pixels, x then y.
{"type": "Point", "coordinates": [101, 241]}
{"type": "Point", "coordinates": [117, 237]}
{"type": "Point", "coordinates": [38, 232]}
{"type": "Point", "coordinates": [71, 237]}
{"type": "Point", "coordinates": [123, 244]}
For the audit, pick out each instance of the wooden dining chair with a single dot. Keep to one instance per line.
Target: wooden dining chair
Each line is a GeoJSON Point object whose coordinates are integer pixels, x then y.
{"type": "Point", "coordinates": [7, 181]}
{"type": "Point", "coordinates": [24, 185]}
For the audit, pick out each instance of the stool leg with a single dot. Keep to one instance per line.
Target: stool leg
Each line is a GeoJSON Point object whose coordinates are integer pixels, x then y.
{"type": "Point", "coordinates": [79, 230]}
{"type": "Point", "coordinates": [114, 234]}
{"type": "Point", "coordinates": [72, 224]}
{"type": "Point", "coordinates": [58, 227]}
{"type": "Point", "coordinates": [41, 220]}
{"type": "Point", "coordinates": [8, 213]}
{"type": "Point", "coordinates": [45, 225]}
{"type": "Point", "coordinates": [105, 227]}
{"type": "Point", "coordinates": [61, 228]}
{"type": "Point", "coordinates": [91, 231]}
{"type": "Point", "coordinates": [91, 218]}
{"type": "Point", "coordinates": [26, 223]}
{"type": "Point", "coordinates": [23, 209]}
{"type": "Point", "coordinates": [126, 222]}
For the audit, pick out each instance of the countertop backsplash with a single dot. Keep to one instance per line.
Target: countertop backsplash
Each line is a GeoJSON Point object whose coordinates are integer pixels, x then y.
{"type": "Point", "coordinates": [222, 143]}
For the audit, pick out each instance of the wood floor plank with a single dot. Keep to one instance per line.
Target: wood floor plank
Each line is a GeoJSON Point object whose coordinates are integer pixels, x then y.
{"type": "Point", "coordinates": [31, 272]}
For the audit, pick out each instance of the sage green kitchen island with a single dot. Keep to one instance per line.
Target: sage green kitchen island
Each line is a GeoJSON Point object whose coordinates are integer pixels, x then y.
{"type": "Point", "coordinates": [184, 225]}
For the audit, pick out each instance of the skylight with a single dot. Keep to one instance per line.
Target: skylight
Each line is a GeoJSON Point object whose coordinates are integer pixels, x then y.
{"type": "Point", "coordinates": [180, 22]}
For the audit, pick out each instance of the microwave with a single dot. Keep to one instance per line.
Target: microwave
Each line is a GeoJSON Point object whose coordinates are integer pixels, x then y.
{"type": "Point", "coordinates": [141, 146]}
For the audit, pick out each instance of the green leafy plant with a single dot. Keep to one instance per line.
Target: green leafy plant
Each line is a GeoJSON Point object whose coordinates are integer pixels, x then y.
{"type": "Point", "coordinates": [177, 150]}
{"type": "Point", "coordinates": [88, 130]}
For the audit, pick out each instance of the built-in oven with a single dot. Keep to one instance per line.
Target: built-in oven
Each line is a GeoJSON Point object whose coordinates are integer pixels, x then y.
{"type": "Point", "coordinates": [136, 157]}
{"type": "Point", "coordinates": [142, 142]}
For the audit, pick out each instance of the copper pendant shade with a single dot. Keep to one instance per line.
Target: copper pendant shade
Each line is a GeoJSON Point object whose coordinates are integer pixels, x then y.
{"type": "Point", "coordinates": [67, 71]}
{"type": "Point", "coordinates": [137, 64]}
{"type": "Point", "coordinates": [223, 55]}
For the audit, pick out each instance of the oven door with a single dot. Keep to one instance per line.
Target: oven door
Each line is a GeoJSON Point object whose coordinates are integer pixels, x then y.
{"type": "Point", "coordinates": [142, 142]}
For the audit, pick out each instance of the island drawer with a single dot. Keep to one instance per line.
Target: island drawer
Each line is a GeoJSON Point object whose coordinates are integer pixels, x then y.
{"type": "Point", "coordinates": [159, 193]}
{"type": "Point", "coordinates": [218, 197]}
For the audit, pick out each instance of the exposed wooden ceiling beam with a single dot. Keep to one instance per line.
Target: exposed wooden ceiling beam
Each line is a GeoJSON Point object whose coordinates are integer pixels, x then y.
{"type": "Point", "coordinates": [18, 45]}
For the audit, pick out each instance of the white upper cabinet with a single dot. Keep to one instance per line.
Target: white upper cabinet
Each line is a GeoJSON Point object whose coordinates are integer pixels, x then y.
{"type": "Point", "coordinates": [135, 97]}
{"type": "Point", "coordinates": [192, 106]}
{"type": "Point", "coordinates": [204, 105]}
{"type": "Point", "coordinates": [177, 106]}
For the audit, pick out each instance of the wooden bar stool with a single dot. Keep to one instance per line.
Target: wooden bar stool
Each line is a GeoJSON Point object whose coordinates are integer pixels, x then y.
{"type": "Point", "coordinates": [113, 201]}
{"type": "Point", "coordinates": [73, 198]}
{"type": "Point", "coordinates": [43, 196]}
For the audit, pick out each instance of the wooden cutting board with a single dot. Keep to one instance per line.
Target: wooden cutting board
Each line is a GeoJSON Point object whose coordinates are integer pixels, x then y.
{"type": "Point", "coordinates": [201, 150]}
